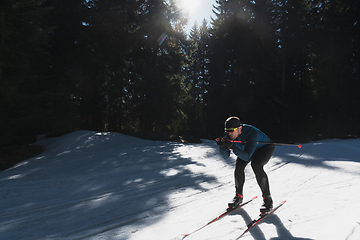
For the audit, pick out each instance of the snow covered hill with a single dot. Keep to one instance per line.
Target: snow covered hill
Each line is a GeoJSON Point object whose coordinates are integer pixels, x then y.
{"type": "Point", "coordinates": [89, 185]}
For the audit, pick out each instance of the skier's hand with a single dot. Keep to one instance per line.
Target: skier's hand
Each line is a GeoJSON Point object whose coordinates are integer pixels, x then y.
{"type": "Point", "coordinates": [229, 144]}
{"type": "Point", "coordinates": [220, 141]}
{"type": "Point", "coordinates": [224, 143]}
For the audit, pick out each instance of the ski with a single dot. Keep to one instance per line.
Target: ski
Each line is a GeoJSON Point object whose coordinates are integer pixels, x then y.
{"type": "Point", "coordinates": [261, 217]}
{"type": "Point", "coordinates": [228, 210]}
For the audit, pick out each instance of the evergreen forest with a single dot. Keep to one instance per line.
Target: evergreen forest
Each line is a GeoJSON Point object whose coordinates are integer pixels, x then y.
{"type": "Point", "coordinates": [290, 68]}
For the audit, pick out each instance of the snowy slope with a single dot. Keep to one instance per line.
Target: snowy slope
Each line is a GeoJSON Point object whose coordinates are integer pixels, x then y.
{"type": "Point", "coordinates": [89, 185]}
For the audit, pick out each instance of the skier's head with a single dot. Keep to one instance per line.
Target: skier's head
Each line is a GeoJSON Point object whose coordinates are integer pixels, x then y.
{"type": "Point", "coordinates": [233, 127]}
{"type": "Point", "coordinates": [232, 122]}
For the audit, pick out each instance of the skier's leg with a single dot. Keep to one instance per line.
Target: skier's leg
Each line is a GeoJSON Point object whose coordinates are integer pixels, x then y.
{"type": "Point", "coordinates": [239, 175]}
{"type": "Point", "coordinates": [259, 159]}
{"type": "Point", "coordinates": [239, 183]}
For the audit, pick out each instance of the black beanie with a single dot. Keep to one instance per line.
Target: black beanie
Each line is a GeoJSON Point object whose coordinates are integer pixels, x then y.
{"type": "Point", "coordinates": [232, 122]}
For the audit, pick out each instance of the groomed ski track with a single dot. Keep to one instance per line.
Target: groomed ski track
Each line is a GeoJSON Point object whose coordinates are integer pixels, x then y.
{"type": "Point", "coordinates": [90, 185]}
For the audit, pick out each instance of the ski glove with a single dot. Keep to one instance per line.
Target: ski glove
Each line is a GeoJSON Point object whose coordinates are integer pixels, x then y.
{"type": "Point", "coordinates": [224, 143]}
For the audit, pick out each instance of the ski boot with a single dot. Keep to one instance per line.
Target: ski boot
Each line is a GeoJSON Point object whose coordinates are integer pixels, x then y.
{"type": "Point", "coordinates": [237, 200]}
{"type": "Point", "coordinates": [267, 205]}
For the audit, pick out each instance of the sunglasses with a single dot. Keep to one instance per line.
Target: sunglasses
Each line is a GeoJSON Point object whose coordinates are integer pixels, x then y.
{"type": "Point", "coordinates": [228, 130]}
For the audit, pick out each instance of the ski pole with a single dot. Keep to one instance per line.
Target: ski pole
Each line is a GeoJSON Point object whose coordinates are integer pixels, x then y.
{"type": "Point", "coordinates": [284, 144]}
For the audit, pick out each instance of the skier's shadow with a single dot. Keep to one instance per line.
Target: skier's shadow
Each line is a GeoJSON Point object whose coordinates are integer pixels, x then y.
{"type": "Point", "coordinates": [257, 234]}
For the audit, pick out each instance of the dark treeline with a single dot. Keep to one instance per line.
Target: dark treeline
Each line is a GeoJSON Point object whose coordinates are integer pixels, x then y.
{"type": "Point", "coordinates": [290, 68]}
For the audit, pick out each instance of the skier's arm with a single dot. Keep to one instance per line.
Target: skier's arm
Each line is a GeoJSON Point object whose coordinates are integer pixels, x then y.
{"type": "Point", "coordinates": [225, 153]}
{"type": "Point", "coordinates": [250, 146]}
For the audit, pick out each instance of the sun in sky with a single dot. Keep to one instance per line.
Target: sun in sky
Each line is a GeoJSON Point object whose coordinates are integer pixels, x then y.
{"type": "Point", "coordinates": [188, 6]}
{"type": "Point", "coordinates": [196, 10]}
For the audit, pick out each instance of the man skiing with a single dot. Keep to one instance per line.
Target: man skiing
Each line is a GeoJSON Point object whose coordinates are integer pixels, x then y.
{"type": "Point", "coordinates": [242, 140]}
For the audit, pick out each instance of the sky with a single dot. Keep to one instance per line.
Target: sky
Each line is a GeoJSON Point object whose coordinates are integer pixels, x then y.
{"type": "Point", "coordinates": [198, 10]}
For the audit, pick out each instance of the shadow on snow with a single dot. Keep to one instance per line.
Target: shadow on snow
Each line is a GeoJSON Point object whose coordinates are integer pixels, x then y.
{"type": "Point", "coordinates": [87, 184]}
{"type": "Point", "coordinates": [257, 234]}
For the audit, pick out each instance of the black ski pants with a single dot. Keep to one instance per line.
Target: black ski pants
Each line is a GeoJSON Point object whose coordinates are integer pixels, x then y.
{"type": "Point", "coordinates": [260, 157]}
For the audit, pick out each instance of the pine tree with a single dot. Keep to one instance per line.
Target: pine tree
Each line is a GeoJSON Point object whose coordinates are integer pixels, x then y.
{"type": "Point", "coordinates": [24, 92]}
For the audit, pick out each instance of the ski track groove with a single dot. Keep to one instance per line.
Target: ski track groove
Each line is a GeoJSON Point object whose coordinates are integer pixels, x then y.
{"type": "Point", "coordinates": [353, 230]}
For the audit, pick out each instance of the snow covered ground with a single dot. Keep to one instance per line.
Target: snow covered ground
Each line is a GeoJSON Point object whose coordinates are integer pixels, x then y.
{"type": "Point", "coordinates": [90, 185]}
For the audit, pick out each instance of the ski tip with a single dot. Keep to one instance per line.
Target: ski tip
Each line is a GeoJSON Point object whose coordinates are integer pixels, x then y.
{"type": "Point", "coordinates": [254, 198]}
{"type": "Point", "coordinates": [184, 235]}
